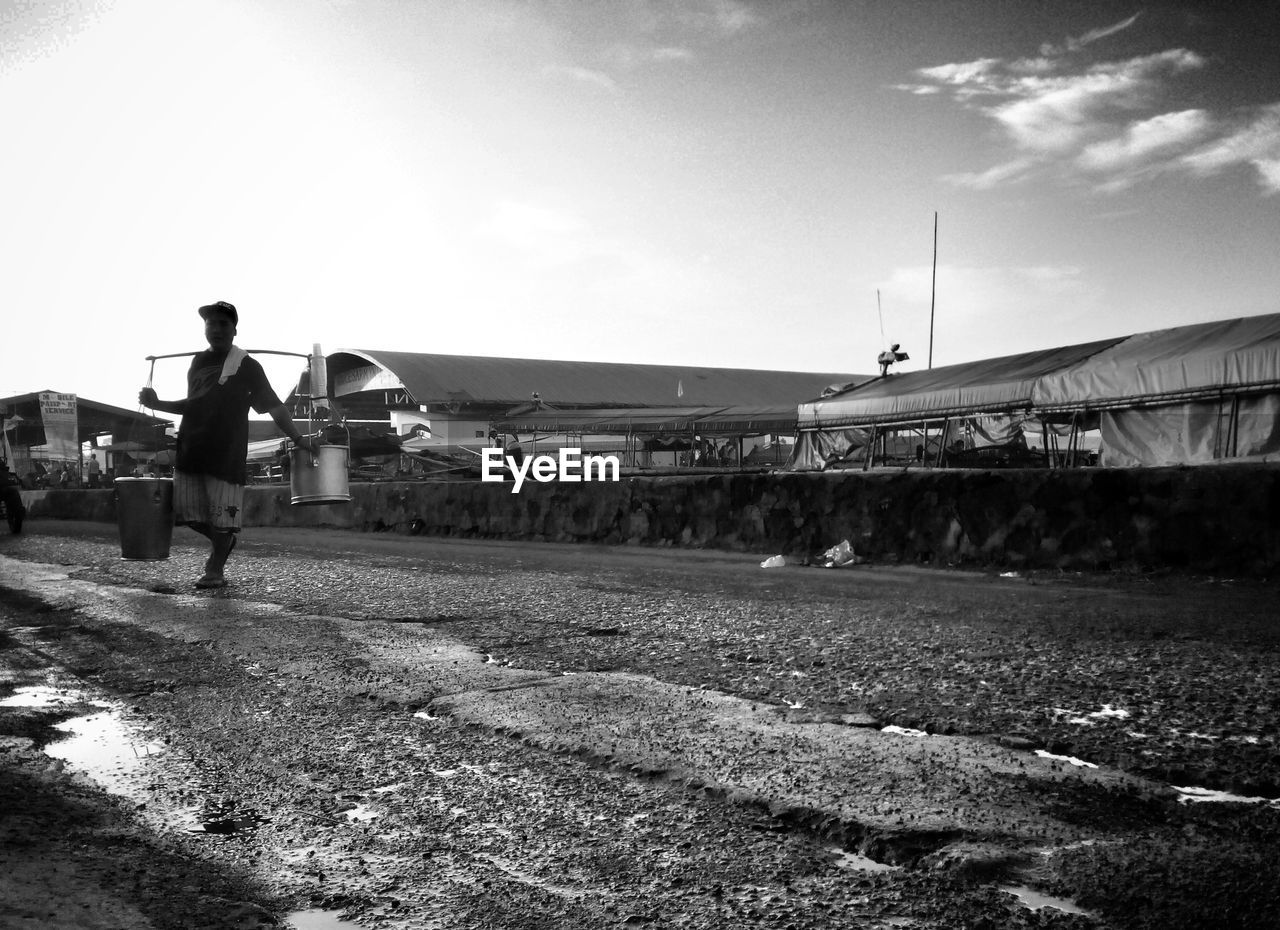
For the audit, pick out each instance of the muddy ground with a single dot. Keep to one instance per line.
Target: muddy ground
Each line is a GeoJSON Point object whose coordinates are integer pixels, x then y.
{"type": "Point", "coordinates": [421, 733]}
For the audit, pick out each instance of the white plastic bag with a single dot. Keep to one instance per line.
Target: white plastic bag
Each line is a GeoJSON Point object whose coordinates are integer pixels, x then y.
{"type": "Point", "coordinates": [774, 561]}
{"type": "Point", "coordinates": [841, 554]}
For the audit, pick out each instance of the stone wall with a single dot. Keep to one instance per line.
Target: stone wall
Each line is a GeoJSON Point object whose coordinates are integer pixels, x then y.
{"type": "Point", "coordinates": [1223, 519]}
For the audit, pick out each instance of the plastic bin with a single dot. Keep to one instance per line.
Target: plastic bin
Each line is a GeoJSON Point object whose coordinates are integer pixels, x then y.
{"type": "Point", "coordinates": [144, 512]}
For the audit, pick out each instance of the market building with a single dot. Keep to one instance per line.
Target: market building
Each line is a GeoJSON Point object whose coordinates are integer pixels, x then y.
{"type": "Point", "coordinates": [47, 432]}
{"type": "Point", "coordinates": [457, 403]}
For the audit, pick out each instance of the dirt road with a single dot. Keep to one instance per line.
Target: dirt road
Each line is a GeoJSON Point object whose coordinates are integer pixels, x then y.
{"type": "Point", "coordinates": [420, 733]}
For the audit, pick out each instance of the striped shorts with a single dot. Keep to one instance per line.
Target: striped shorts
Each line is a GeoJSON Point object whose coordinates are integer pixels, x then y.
{"type": "Point", "coordinates": [207, 500]}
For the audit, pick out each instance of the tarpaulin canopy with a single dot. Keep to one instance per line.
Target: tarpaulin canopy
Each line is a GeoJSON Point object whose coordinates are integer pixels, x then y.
{"type": "Point", "coordinates": [1170, 365]}
{"type": "Point", "coordinates": [988, 385]}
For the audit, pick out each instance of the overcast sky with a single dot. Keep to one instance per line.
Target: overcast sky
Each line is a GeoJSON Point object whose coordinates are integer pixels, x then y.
{"type": "Point", "coordinates": [702, 182]}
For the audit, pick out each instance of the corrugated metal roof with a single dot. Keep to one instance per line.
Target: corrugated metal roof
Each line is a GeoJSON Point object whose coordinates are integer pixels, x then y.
{"type": "Point", "coordinates": [987, 385]}
{"type": "Point", "coordinates": [486, 380]}
{"type": "Point", "coordinates": [93, 416]}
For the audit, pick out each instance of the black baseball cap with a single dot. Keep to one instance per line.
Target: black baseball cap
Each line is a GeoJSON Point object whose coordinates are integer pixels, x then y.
{"type": "Point", "coordinates": [221, 306]}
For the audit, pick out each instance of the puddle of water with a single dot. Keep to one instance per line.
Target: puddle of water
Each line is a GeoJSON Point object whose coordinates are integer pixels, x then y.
{"type": "Point", "coordinates": [1192, 795]}
{"type": "Point", "coordinates": [1108, 712]}
{"type": "Point", "coordinates": [1035, 900]}
{"type": "Point", "coordinates": [103, 747]}
{"type": "Point", "coordinates": [856, 862]}
{"type": "Point", "coordinates": [904, 731]}
{"type": "Point", "coordinates": [317, 919]}
{"type": "Point", "coordinates": [1045, 754]}
{"type": "Point", "coordinates": [42, 696]}
{"type": "Point", "coordinates": [361, 813]}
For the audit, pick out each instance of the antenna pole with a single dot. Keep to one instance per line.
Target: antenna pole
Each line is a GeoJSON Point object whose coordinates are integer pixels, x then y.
{"type": "Point", "coordinates": [883, 344]}
{"type": "Point", "coordinates": [933, 296]}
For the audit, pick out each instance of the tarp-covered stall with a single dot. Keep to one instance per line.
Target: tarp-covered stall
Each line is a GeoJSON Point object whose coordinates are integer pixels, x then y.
{"type": "Point", "coordinates": [695, 429]}
{"type": "Point", "coordinates": [754, 420]}
{"type": "Point", "coordinates": [1186, 395]}
{"type": "Point", "coordinates": [990, 399]}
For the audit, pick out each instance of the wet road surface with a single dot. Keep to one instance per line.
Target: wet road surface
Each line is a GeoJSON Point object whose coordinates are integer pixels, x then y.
{"type": "Point", "coordinates": [386, 768]}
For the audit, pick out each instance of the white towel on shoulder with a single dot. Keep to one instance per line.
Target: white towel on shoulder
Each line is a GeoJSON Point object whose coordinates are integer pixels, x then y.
{"type": "Point", "coordinates": [235, 356]}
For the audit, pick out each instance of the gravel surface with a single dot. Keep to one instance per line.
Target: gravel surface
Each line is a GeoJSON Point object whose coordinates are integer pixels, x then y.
{"type": "Point", "coordinates": [1173, 678]}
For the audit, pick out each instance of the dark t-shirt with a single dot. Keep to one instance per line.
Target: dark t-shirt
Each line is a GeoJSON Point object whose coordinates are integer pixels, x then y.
{"type": "Point", "coordinates": [214, 436]}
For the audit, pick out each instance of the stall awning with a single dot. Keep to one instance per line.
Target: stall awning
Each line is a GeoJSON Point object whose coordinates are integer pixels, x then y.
{"type": "Point", "coordinates": [1170, 365]}
{"type": "Point", "coordinates": [994, 385]}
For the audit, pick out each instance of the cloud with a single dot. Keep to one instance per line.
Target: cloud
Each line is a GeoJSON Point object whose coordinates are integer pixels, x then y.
{"type": "Point", "coordinates": [969, 78]}
{"type": "Point", "coordinates": [670, 53]}
{"type": "Point", "coordinates": [1054, 113]}
{"type": "Point", "coordinates": [629, 57]}
{"type": "Point", "coordinates": [1269, 171]}
{"type": "Point", "coordinates": [733, 16]}
{"type": "Point", "coordinates": [920, 90]}
{"type": "Point", "coordinates": [1093, 35]}
{"type": "Point", "coordinates": [621, 38]}
{"type": "Point", "coordinates": [1105, 123]}
{"type": "Point", "coordinates": [1148, 139]}
{"type": "Point", "coordinates": [1009, 172]}
{"type": "Point", "coordinates": [584, 75]}
{"type": "Point", "coordinates": [1253, 141]}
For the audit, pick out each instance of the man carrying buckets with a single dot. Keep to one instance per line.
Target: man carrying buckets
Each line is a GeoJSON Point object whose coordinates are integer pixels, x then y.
{"type": "Point", "coordinates": [213, 440]}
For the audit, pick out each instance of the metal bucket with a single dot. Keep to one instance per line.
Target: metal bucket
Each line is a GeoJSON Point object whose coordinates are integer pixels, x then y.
{"type": "Point", "coordinates": [144, 511]}
{"type": "Point", "coordinates": [319, 478]}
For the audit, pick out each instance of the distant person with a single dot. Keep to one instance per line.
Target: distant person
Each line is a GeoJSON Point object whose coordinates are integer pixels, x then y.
{"type": "Point", "coordinates": [95, 471]}
{"type": "Point", "coordinates": [12, 497]}
{"type": "Point", "coordinates": [888, 357]}
{"type": "Point", "coordinates": [213, 440]}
